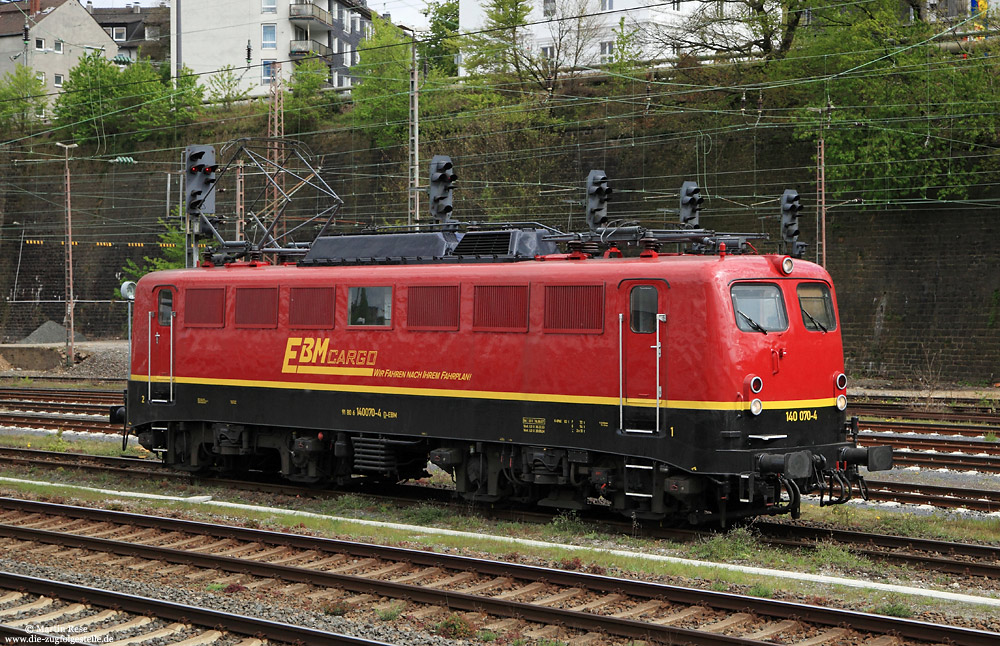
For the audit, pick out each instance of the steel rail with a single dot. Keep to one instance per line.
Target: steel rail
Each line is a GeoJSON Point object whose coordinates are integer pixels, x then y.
{"type": "Point", "coordinates": [929, 444]}
{"type": "Point", "coordinates": [927, 428]}
{"type": "Point", "coordinates": [977, 499]}
{"type": "Point", "coordinates": [168, 610]}
{"type": "Point", "coordinates": [63, 394]}
{"type": "Point", "coordinates": [49, 422]}
{"type": "Point", "coordinates": [592, 582]}
{"type": "Point", "coordinates": [947, 461]}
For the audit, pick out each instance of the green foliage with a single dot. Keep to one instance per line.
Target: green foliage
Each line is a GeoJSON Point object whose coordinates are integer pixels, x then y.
{"type": "Point", "coordinates": [381, 98]}
{"type": "Point", "coordinates": [22, 94]}
{"type": "Point", "coordinates": [902, 119]}
{"type": "Point", "coordinates": [303, 105]}
{"type": "Point", "coordinates": [761, 590]}
{"type": "Point", "coordinates": [171, 249]}
{"type": "Point", "coordinates": [390, 612]}
{"type": "Point", "coordinates": [224, 88]}
{"type": "Point", "coordinates": [439, 46]}
{"type": "Point", "coordinates": [503, 45]}
{"type": "Point", "coordinates": [102, 103]}
{"type": "Point", "coordinates": [455, 626]}
{"type": "Point", "coordinates": [625, 59]}
{"type": "Point", "coordinates": [737, 545]}
{"type": "Point", "coordinates": [893, 607]}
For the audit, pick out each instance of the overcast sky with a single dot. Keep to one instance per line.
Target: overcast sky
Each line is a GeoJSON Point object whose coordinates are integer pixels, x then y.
{"type": "Point", "coordinates": [403, 12]}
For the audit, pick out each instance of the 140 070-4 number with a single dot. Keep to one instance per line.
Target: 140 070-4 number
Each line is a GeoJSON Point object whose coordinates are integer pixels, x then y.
{"type": "Point", "coordinates": [800, 415]}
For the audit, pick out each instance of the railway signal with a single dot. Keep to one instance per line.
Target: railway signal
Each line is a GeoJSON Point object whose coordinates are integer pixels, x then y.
{"type": "Point", "coordinates": [598, 193]}
{"type": "Point", "coordinates": [442, 176]}
{"type": "Point", "coordinates": [199, 179]}
{"type": "Point", "coordinates": [691, 200]}
{"type": "Point", "coordinates": [790, 207]}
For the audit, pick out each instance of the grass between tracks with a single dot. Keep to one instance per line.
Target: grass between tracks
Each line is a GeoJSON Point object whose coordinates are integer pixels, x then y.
{"type": "Point", "coordinates": [738, 546]}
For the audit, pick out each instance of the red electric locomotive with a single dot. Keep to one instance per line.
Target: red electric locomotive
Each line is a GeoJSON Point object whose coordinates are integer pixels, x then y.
{"type": "Point", "coordinates": [698, 387]}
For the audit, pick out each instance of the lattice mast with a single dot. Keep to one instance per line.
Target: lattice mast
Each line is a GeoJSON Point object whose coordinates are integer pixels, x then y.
{"type": "Point", "coordinates": [275, 132]}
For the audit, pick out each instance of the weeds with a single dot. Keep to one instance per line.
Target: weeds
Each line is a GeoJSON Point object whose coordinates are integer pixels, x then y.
{"type": "Point", "coordinates": [487, 635]}
{"type": "Point", "coordinates": [338, 608]}
{"type": "Point", "coordinates": [737, 545]}
{"type": "Point", "coordinates": [390, 612]}
{"type": "Point", "coordinates": [455, 626]}
{"type": "Point", "coordinates": [893, 608]}
{"type": "Point", "coordinates": [991, 437]}
{"type": "Point", "coordinates": [760, 590]}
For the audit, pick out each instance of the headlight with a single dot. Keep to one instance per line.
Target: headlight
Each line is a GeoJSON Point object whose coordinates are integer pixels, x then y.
{"type": "Point", "coordinates": [841, 402]}
{"type": "Point", "coordinates": [841, 381]}
{"type": "Point", "coordinates": [757, 406]}
{"type": "Point", "coordinates": [756, 385]}
{"type": "Point", "coordinates": [787, 265]}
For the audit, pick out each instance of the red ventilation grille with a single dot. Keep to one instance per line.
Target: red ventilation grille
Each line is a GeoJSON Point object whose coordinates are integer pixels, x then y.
{"type": "Point", "coordinates": [432, 308]}
{"type": "Point", "coordinates": [311, 307]}
{"type": "Point", "coordinates": [574, 308]}
{"type": "Point", "coordinates": [205, 307]}
{"type": "Point", "coordinates": [256, 307]}
{"type": "Point", "coordinates": [500, 308]}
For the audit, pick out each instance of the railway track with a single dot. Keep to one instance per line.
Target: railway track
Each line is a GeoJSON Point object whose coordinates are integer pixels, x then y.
{"type": "Point", "coordinates": [963, 411]}
{"type": "Point", "coordinates": [539, 603]}
{"type": "Point", "coordinates": [926, 428]}
{"type": "Point", "coordinates": [61, 395]}
{"type": "Point", "coordinates": [939, 556]}
{"type": "Point", "coordinates": [34, 610]}
{"type": "Point", "coordinates": [938, 496]}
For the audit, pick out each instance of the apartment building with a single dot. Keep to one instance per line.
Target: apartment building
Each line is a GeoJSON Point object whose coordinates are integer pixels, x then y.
{"type": "Point", "coordinates": [50, 37]}
{"type": "Point", "coordinates": [139, 31]}
{"type": "Point", "coordinates": [254, 36]}
{"type": "Point", "coordinates": [581, 33]}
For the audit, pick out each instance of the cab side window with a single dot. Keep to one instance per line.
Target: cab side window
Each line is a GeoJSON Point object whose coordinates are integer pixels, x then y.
{"type": "Point", "coordinates": [816, 304]}
{"type": "Point", "coordinates": [370, 306]}
{"type": "Point", "coordinates": [166, 307]}
{"type": "Point", "coordinates": [759, 307]}
{"type": "Point", "coordinates": [642, 309]}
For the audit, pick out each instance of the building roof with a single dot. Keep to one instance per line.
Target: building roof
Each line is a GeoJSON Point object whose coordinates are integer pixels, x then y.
{"type": "Point", "coordinates": [12, 14]}
{"type": "Point", "coordinates": [114, 15]}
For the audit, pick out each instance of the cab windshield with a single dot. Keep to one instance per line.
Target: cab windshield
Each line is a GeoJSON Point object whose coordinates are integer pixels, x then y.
{"type": "Point", "coordinates": [817, 307]}
{"type": "Point", "coordinates": [759, 307]}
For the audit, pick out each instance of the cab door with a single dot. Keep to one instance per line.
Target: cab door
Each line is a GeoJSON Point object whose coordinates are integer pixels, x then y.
{"type": "Point", "coordinates": [160, 344]}
{"type": "Point", "coordinates": [643, 360]}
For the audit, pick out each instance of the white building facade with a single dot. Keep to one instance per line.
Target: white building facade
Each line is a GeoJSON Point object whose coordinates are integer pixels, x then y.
{"type": "Point", "coordinates": [582, 33]}
{"type": "Point", "coordinates": [255, 36]}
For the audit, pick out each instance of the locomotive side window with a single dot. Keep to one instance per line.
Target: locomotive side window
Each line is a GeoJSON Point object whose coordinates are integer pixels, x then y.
{"type": "Point", "coordinates": [311, 307]}
{"type": "Point", "coordinates": [369, 306]}
{"type": "Point", "coordinates": [642, 309]}
{"type": "Point", "coordinates": [432, 307]}
{"type": "Point", "coordinates": [817, 307]}
{"type": "Point", "coordinates": [166, 307]}
{"type": "Point", "coordinates": [257, 307]}
{"type": "Point", "coordinates": [759, 308]}
{"type": "Point", "coordinates": [574, 308]}
{"type": "Point", "coordinates": [500, 308]}
{"type": "Point", "coordinates": [204, 306]}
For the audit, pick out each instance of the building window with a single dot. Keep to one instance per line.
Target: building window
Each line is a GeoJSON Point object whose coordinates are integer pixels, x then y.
{"type": "Point", "coordinates": [118, 34]}
{"type": "Point", "coordinates": [607, 5]}
{"type": "Point", "coordinates": [355, 25]}
{"type": "Point", "coordinates": [549, 8]}
{"type": "Point", "coordinates": [40, 76]}
{"type": "Point", "coordinates": [607, 49]}
{"type": "Point", "coordinates": [267, 72]}
{"type": "Point", "coordinates": [57, 47]}
{"type": "Point", "coordinates": [40, 44]}
{"type": "Point", "coordinates": [268, 37]}
{"type": "Point", "coordinates": [269, 6]}
{"type": "Point", "coordinates": [57, 80]}
{"type": "Point", "coordinates": [548, 53]}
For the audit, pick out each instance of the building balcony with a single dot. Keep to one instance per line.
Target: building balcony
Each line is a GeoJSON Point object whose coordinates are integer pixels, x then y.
{"type": "Point", "coordinates": [309, 48]}
{"type": "Point", "coordinates": [306, 14]}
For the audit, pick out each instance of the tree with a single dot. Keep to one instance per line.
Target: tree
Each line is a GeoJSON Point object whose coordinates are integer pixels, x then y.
{"type": "Point", "coordinates": [901, 118]}
{"type": "Point", "coordinates": [760, 29]}
{"type": "Point", "coordinates": [224, 88]}
{"type": "Point", "coordinates": [306, 84]}
{"type": "Point", "coordinates": [172, 250]}
{"type": "Point", "coordinates": [89, 97]}
{"type": "Point", "coordinates": [503, 45]}
{"type": "Point", "coordinates": [381, 98]}
{"type": "Point", "coordinates": [440, 45]}
{"type": "Point", "coordinates": [103, 103]}
{"type": "Point", "coordinates": [22, 94]}
{"type": "Point", "coordinates": [625, 58]}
